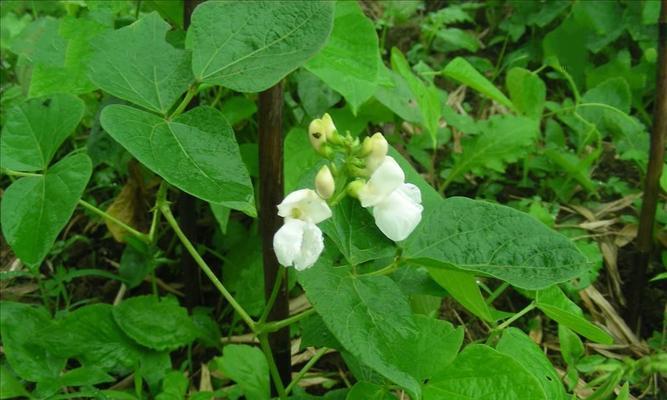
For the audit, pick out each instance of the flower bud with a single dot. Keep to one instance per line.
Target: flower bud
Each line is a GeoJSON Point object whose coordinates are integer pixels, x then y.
{"type": "Point", "coordinates": [328, 125]}
{"type": "Point", "coordinates": [354, 187]}
{"type": "Point", "coordinates": [324, 183]}
{"type": "Point", "coordinates": [376, 148]}
{"type": "Point", "coordinates": [317, 135]}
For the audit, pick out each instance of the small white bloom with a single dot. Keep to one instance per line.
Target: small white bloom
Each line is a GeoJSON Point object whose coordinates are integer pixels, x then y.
{"type": "Point", "coordinates": [399, 213]}
{"type": "Point", "coordinates": [305, 205]}
{"type": "Point", "coordinates": [324, 183]}
{"type": "Point", "coordinates": [396, 205]}
{"type": "Point", "coordinates": [388, 176]}
{"type": "Point", "coordinates": [299, 241]}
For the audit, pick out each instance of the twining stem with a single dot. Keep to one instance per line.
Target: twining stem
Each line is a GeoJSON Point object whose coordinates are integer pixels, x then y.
{"type": "Point", "coordinates": [496, 293]}
{"type": "Point", "coordinates": [274, 326]}
{"type": "Point", "coordinates": [11, 172]}
{"type": "Point", "coordinates": [274, 295]}
{"type": "Point", "coordinates": [516, 316]}
{"type": "Point", "coordinates": [273, 368]}
{"type": "Point", "coordinates": [139, 235]}
{"type": "Point", "coordinates": [321, 352]}
{"type": "Point", "coordinates": [166, 211]}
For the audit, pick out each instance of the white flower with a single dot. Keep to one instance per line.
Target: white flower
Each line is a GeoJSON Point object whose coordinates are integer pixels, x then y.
{"type": "Point", "coordinates": [376, 147]}
{"type": "Point", "coordinates": [299, 241]}
{"type": "Point", "coordinates": [396, 205]}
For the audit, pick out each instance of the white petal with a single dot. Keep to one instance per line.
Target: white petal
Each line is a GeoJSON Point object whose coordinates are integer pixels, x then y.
{"type": "Point", "coordinates": [305, 205]}
{"type": "Point", "coordinates": [386, 178]}
{"type": "Point", "coordinates": [412, 192]}
{"type": "Point", "coordinates": [287, 241]}
{"type": "Point", "coordinates": [397, 215]}
{"type": "Point", "coordinates": [311, 247]}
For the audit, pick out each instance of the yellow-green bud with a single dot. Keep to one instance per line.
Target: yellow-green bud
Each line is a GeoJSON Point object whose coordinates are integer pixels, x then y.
{"type": "Point", "coordinates": [324, 183]}
{"type": "Point", "coordinates": [377, 147]}
{"type": "Point", "coordinates": [354, 187]}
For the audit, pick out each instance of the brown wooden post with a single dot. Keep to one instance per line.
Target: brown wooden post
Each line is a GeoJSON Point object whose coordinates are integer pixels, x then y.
{"type": "Point", "coordinates": [271, 191]}
{"type": "Point", "coordinates": [654, 171]}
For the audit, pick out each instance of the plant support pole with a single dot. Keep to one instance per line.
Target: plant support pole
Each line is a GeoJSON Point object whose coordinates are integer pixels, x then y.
{"type": "Point", "coordinates": [654, 171]}
{"type": "Point", "coordinates": [271, 192]}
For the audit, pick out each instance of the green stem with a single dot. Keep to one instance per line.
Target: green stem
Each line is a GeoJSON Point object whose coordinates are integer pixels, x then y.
{"type": "Point", "coordinates": [496, 293]}
{"type": "Point", "coordinates": [11, 172]}
{"type": "Point", "coordinates": [274, 326]}
{"type": "Point", "coordinates": [192, 91]}
{"type": "Point", "coordinates": [516, 316]}
{"type": "Point", "coordinates": [129, 229]}
{"type": "Point", "coordinates": [273, 368]}
{"type": "Point", "coordinates": [321, 352]}
{"type": "Point", "coordinates": [161, 196]}
{"type": "Point", "coordinates": [385, 270]}
{"type": "Point", "coordinates": [274, 295]}
{"type": "Point", "coordinates": [166, 211]}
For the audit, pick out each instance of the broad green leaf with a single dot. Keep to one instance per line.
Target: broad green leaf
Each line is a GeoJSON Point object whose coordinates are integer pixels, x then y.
{"type": "Point", "coordinates": [300, 160]}
{"type": "Point", "coordinates": [555, 304]}
{"type": "Point", "coordinates": [566, 45]}
{"type": "Point", "coordinates": [481, 372]}
{"type": "Point", "coordinates": [246, 365]}
{"type": "Point", "coordinates": [71, 75]}
{"type": "Point", "coordinates": [527, 91]}
{"type": "Point", "coordinates": [349, 61]}
{"type": "Point", "coordinates": [136, 263]}
{"type": "Point", "coordinates": [368, 391]}
{"type": "Point", "coordinates": [399, 98]}
{"type": "Point", "coordinates": [90, 335]}
{"type": "Point", "coordinates": [243, 274]}
{"type": "Point", "coordinates": [35, 208]}
{"type": "Point", "coordinates": [427, 96]}
{"type": "Point", "coordinates": [495, 240]}
{"type": "Point", "coordinates": [316, 334]}
{"type": "Point", "coordinates": [135, 63]}
{"type": "Point", "coordinates": [40, 43]}
{"type": "Point", "coordinates": [196, 152]}
{"type": "Point", "coordinates": [432, 350]}
{"type": "Point", "coordinates": [503, 139]}
{"type": "Point", "coordinates": [519, 346]}
{"type": "Point", "coordinates": [571, 347]}
{"type": "Point", "coordinates": [82, 376]}
{"type": "Point", "coordinates": [460, 70]}
{"type": "Point", "coordinates": [171, 10]}
{"type": "Point", "coordinates": [159, 324]}
{"type": "Point", "coordinates": [174, 386]}
{"type": "Point", "coordinates": [368, 315]}
{"type": "Point", "coordinates": [10, 386]}
{"type": "Point", "coordinates": [221, 214]}
{"type": "Point", "coordinates": [353, 230]}
{"type": "Point", "coordinates": [236, 109]}
{"type": "Point", "coordinates": [34, 131]}
{"type": "Point", "coordinates": [316, 96]}
{"type": "Point", "coordinates": [250, 46]}
{"type": "Point", "coordinates": [18, 325]}
{"type": "Point", "coordinates": [450, 39]}
{"type": "Point", "coordinates": [462, 286]}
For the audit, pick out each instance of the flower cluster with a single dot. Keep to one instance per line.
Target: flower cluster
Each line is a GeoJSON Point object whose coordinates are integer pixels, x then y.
{"type": "Point", "coordinates": [365, 172]}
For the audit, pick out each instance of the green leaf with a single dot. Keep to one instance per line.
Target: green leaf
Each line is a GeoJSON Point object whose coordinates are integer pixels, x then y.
{"type": "Point", "coordinates": [504, 139]}
{"type": "Point", "coordinates": [315, 95]}
{"type": "Point", "coordinates": [34, 131]}
{"type": "Point", "coordinates": [70, 76]}
{"type": "Point", "coordinates": [243, 274]}
{"type": "Point", "coordinates": [171, 10]}
{"type": "Point", "coordinates": [571, 347]}
{"type": "Point", "coordinates": [560, 45]}
{"type": "Point", "coordinates": [90, 335]}
{"type": "Point", "coordinates": [154, 323]}
{"type": "Point", "coordinates": [36, 208]}
{"type": "Point", "coordinates": [136, 263]}
{"type": "Point", "coordinates": [460, 70]}
{"type": "Point", "coordinates": [250, 46]}
{"type": "Point", "coordinates": [18, 325]}
{"type": "Point", "coordinates": [300, 160]}
{"type": "Point", "coordinates": [495, 240]}
{"type": "Point", "coordinates": [519, 346]}
{"type": "Point", "coordinates": [368, 391]}
{"type": "Point", "coordinates": [527, 91]}
{"type": "Point", "coordinates": [462, 286]}
{"type": "Point", "coordinates": [174, 386]}
{"type": "Point", "coordinates": [82, 376]}
{"type": "Point", "coordinates": [557, 306]}
{"type": "Point", "coordinates": [449, 39]}
{"type": "Point", "coordinates": [481, 372]}
{"type": "Point", "coordinates": [432, 350]}
{"type": "Point", "coordinates": [353, 231]}
{"type": "Point", "coordinates": [39, 42]}
{"type": "Point", "coordinates": [10, 386]}
{"type": "Point", "coordinates": [135, 63]}
{"type": "Point", "coordinates": [368, 315]}
{"type": "Point", "coordinates": [196, 151]}
{"type": "Point", "coordinates": [349, 61]}
{"type": "Point", "coordinates": [399, 98]}
{"type": "Point", "coordinates": [427, 96]}
{"type": "Point", "coordinates": [246, 365]}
